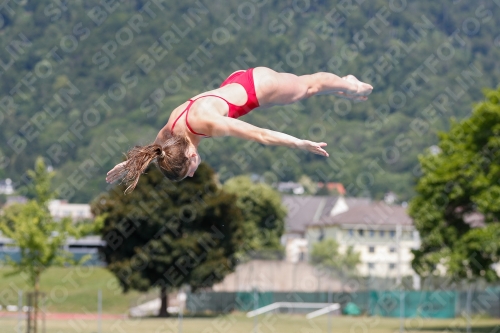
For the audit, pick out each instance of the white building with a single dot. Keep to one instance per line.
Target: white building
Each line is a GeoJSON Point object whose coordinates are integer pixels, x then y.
{"type": "Point", "coordinates": [372, 231]}
{"type": "Point", "coordinates": [6, 186]}
{"type": "Point", "coordinates": [61, 208]}
{"type": "Point", "coordinates": [371, 228]}
{"type": "Point", "coordinates": [290, 187]}
{"type": "Point", "coordinates": [302, 211]}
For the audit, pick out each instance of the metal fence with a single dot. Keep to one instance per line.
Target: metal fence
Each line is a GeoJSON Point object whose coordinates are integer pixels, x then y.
{"type": "Point", "coordinates": [426, 304]}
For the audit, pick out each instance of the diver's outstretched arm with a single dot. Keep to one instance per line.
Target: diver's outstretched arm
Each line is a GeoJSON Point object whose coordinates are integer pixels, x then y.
{"type": "Point", "coordinates": [225, 126]}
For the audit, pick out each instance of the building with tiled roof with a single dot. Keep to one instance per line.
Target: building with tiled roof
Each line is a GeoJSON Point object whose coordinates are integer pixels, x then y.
{"type": "Point", "coordinates": [371, 228]}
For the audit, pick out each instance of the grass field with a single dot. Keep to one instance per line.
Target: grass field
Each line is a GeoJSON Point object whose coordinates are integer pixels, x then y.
{"type": "Point", "coordinates": [238, 323]}
{"type": "Point", "coordinates": [73, 290]}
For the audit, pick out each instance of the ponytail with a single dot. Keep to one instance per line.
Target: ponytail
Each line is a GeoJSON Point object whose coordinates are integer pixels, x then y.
{"type": "Point", "coordinates": [138, 159]}
{"type": "Point", "coordinates": [170, 158]}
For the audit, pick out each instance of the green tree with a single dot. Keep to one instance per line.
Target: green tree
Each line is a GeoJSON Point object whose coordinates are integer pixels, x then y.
{"type": "Point", "coordinates": [165, 235]}
{"type": "Point", "coordinates": [38, 236]}
{"type": "Point", "coordinates": [3, 199]}
{"type": "Point", "coordinates": [458, 182]}
{"type": "Point", "coordinates": [326, 254]}
{"type": "Point", "coordinates": [263, 213]}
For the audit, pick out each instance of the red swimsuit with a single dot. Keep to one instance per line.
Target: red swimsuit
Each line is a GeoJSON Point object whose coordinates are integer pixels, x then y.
{"type": "Point", "coordinates": [244, 78]}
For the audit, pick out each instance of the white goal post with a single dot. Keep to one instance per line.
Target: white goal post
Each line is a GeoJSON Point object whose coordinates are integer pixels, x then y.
{"type": "Point", "coordinates": [324, 308]}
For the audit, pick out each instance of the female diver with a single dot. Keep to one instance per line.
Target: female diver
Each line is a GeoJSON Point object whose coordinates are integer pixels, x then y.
{"type": "Point", "coordinates": [215, 113]}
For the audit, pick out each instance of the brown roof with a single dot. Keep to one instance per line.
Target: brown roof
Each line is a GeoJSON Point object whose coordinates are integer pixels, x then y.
{"type": "Point", "coordinates": [354, 202]}
{"type": "Point", "coordinates": [304, 210]}
{"type": "Point", "coordinates": [374, 214]}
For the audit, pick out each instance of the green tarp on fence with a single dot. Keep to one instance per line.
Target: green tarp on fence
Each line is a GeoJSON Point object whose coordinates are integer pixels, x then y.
{"type": "Point", "coordinates": [245, 300]}
{"type": "Point", "coordinates": [426, 304]}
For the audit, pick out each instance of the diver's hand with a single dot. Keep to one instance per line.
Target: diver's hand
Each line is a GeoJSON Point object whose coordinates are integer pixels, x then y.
{"type": "Point", "coordinates": [313, 147]}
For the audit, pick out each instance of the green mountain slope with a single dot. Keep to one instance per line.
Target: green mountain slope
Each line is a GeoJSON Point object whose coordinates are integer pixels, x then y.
{"type": "Point", "coordinates": [83, 81]}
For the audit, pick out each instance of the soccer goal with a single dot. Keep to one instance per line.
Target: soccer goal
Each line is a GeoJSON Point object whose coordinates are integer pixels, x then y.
{"type": "Point", "coordinates": [323, 308]}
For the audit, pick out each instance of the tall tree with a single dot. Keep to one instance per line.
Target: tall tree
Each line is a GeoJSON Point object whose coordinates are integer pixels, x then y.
{"type": "Point", "coordinates": [460, 183]}
{"type": "Point", "coordinates": [326, 254]}
{"type": "Point", "coordinates": [263, 213]}
{"type": "Point", "coordinates": [165, 235]}
{"type": "Point", "coordinates": [38, 236]}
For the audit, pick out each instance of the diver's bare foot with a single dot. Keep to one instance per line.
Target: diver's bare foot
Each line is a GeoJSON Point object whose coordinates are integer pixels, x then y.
{"type": "Point", "coordinates": [364, 89]}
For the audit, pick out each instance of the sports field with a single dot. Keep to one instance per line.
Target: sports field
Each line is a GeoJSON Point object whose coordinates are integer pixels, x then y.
{"type": "Point", "coordinates": [238, 323]}
{"type": "Point", "coordinates": [74, 290]}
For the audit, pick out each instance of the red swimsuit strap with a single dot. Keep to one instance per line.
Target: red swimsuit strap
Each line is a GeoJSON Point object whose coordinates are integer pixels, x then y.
{"type": "Point", "coordinates": [186, 110]}
{"type": "Point", "coordinates": [212, 96]}
{"type": "Point", "coordinates": [175, 122]}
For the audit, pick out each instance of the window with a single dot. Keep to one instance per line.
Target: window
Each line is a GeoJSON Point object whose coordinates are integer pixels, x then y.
{"type": "Point", "coordinates": [392, 233]}
{"type": "Point", "coordinates": [361, 232]}
{"type": "Point", "coordinates": [350, 232]}
{"type": "Point", "coordinates": [392, 249]}
{"type": "Point", "coordinates": [372, 233]}
{"type": "Point", "coordinates": [392, 266]}
{"type": "Point", "coordinates": [382, 233]}
{"type": "Point", "coordinates": [371, 265]}
{"type": "Point", "coordinates": [321, 234]}
{"type": "Point", "coordinates": [371, 249]}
